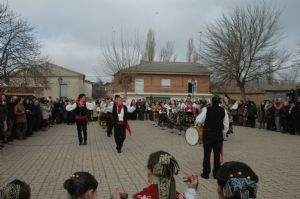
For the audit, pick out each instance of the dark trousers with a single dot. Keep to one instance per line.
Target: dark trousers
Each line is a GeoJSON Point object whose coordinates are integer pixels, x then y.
{"type": "Point", "coordinates": [29, 128]}
{"type": "Point", "coordinates": [208, 146]}
{"type": "Point", "coordinates": [141, 115]}
{"type": "Point", "coordinates": [120, 135]}
{"type": "Point", "coordinates": [10, 125]}
{"type": "Point", "coordinates": [82, 127]}
{"type": "Point", "coordinates": [109, 125]}
{"type": "Point", "coordinates": [21, 129]}
{"type": "Point", "coordinates": [251, 119]}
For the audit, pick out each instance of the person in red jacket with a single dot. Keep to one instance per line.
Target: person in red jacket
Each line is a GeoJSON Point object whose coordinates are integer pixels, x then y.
{"type": "Point", "coordinates": [81, 117]}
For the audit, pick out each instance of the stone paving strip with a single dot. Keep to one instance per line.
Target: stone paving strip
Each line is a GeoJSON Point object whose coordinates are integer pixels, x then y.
{"type": "Point", "coordinates": [48, 158]}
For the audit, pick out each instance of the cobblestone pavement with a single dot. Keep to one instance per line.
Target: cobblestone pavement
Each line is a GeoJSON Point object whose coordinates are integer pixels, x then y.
{"type": "Point", "coordinates": [48, 158]}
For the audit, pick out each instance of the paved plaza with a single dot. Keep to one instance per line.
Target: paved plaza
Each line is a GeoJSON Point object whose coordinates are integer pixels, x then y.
{"type": "Point", "coordinates": [48, 158]}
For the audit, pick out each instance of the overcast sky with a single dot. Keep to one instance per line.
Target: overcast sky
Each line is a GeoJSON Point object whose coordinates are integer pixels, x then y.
{"type": "Point", "coordinates": [71, 31]}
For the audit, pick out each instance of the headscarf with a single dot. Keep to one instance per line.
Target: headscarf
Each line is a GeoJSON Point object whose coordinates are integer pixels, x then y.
{"type": "Point", "coordinates": [240, 186]}
{"type": "Point", "coordinates": [10, 191]}
{"type": "Point", "coordinates": [237, 178]}
{"type": "Point", "coordinates": [165, 169]}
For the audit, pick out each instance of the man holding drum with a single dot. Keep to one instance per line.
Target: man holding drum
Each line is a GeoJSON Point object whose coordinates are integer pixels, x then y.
{"type": "Point", "coordinates": [215, 121]}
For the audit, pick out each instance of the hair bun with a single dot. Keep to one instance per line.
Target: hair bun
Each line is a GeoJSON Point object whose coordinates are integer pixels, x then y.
{"type": "Point", "coordinates": [69, 185]}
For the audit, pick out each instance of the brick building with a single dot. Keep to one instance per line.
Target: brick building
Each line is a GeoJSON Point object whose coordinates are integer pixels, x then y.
{"type": "Point", "coordinates": [253, 93]}
{"type": "Point", "coordinates": [163, 80]}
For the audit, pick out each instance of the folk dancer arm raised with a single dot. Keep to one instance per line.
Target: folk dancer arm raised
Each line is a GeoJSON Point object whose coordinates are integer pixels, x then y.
{"type": "Point", "coordinates": [225, 124]}
{"type": "Point", "coordinates": [200, 119]}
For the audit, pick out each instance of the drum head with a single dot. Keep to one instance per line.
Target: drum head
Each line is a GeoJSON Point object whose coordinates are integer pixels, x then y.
{"type": "Point", "coordinates": [192, 136]}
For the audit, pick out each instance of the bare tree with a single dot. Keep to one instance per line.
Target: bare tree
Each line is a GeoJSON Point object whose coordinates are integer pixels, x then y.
{"type": "Point", "coordinates": [19, 48]}
{"type": "Point", "coordinates": [242, 46]}
{"type": "Point", "coordinates": [120, 56]}
{"type": "Point", "coordinates": [99, 89]}
{"type": "Point", "coordinates": [192, 54]}
{"type": "Point", "coordinates": [167, 53]}
{"type": "Point", "coordinates": [190, 50]}
{"type": "Point", "coordinates": [149, 53]}
{"type": "Point", "coordinates": [297, 58]}
{"type": "Point", "coordinates": [289, 76]}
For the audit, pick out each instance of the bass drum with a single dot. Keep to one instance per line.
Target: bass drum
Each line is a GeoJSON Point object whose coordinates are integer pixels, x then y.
{"type": "Point", "coordinates": [193, 135]}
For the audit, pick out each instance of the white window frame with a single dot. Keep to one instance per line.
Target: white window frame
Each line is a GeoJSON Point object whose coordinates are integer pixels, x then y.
{"type": "Point", "coordinates": [138, 89]}
{"type": "Point", "coordinates": [166, 83]}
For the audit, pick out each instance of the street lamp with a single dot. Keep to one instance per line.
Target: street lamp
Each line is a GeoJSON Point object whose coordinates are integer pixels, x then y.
{"type": "Point", "coordinates": [60, 82]}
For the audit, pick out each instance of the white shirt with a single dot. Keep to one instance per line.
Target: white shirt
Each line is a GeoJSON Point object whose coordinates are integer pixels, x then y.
{"type": "Point", "coordinates": [235, 106]}
{"type": "Point", "coordinates": [190, 193]}
{"type": "Point", "coordinates": [98, 109]}
{"type": "Point", "coordinates": [131, 108]}
{"type": "Point", "coordinates": [109, 108]}
{"type": "Point", "coordinates": [200, 119]}
{"type": "Point", "coordinates": [121, 115]}
{"type": "Point", "coordinates": [102, 107]}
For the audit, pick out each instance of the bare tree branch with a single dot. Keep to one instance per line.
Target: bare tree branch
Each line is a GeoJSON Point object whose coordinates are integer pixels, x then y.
{"type": "Point", "coordinates": [149, 53]}
{"type": "Point", "coordinates": [167, 52]}
{"type": "Point", "coordinates": [242, 46]}
{"type": "Point", "coordinates": [19, 49]}
{"type": "Point", "coordinates": [120, 55]}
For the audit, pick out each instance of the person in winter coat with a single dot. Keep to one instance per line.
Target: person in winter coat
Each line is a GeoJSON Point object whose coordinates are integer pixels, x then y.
{"type": "Point", "coordinates": [20, 119]}
{"type": "Point", "coordinates": [45, 110]}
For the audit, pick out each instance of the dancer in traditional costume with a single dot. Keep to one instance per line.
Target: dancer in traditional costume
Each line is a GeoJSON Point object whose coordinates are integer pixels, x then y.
{"type": "Point", "coordinates": [161, 169]}
{"type": "Point", "coordinates": [81, 118]}
{"type": "Point", "coordinates": [120, 119]}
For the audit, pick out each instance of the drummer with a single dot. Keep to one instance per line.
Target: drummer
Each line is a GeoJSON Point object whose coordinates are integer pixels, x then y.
{"type": "Point", "coordinates": [216, 123]}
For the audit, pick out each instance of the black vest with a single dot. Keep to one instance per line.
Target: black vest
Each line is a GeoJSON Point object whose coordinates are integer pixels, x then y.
{"type": "Point", "coordinates": [214, 119]}
{"type": "Point", "coordinates": [115, 114]}
{"type": "Point", "coordinates": [82, 111]}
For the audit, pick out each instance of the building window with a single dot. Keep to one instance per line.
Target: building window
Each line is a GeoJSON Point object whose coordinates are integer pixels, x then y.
{"type": "Point", "coordinates": [139, 85]}
{"type": "Point", "coordinates": [63, 90]}
{"type": "Point", "coordinates": [166, 83]}
{"type": "Point", "coordinates": [192, 88]}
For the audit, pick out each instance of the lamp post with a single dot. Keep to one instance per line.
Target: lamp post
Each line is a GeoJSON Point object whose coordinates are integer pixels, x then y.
{"type": "Point", "coordinates": [60, 81]}
{"type": "Point", "coordinates": [193, 87]}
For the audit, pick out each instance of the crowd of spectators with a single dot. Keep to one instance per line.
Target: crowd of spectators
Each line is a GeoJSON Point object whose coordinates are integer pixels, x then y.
{"type": "Point", "coordinates": [21, 117]}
